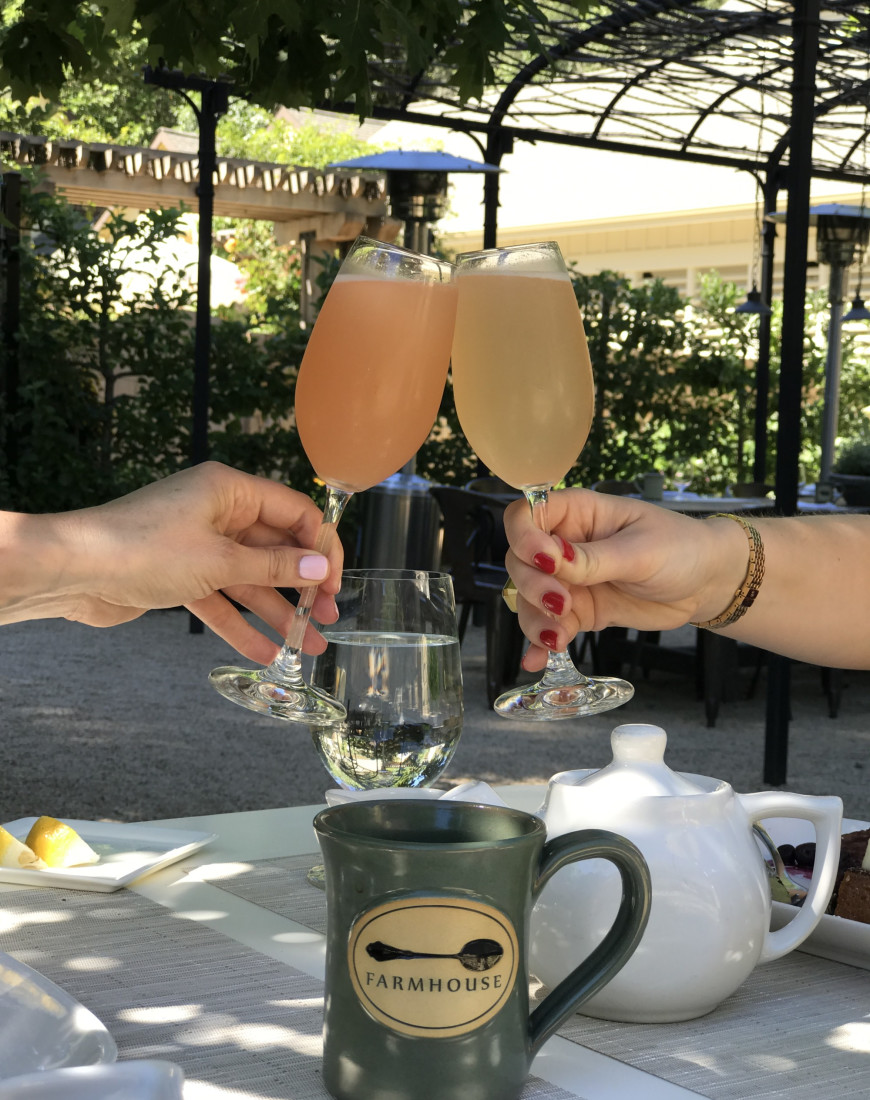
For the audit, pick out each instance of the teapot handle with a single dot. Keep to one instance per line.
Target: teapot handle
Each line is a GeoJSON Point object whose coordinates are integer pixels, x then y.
{"type": "Point", "coordinates": [826, 815]}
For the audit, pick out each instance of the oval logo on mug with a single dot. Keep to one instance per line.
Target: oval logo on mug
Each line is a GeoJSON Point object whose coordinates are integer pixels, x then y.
{"type": "Point", "coordinates": [436, 966]}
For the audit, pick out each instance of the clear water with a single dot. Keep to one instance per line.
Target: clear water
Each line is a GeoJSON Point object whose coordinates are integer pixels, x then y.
{"type": "Point", "coordinates": [403, 694]}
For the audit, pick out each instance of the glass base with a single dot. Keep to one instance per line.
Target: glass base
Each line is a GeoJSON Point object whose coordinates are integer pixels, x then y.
{"type": "Point", "coordinates": [548, 703]}
{"type": "Point", "coordinates": [253, 689]}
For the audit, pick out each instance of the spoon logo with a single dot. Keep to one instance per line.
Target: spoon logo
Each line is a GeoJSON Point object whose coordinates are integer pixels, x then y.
{"type": "Point", "coordinates": [435, 966]}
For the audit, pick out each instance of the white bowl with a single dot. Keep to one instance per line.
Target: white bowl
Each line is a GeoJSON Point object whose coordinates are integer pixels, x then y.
{"type": "Point", "coordinates": [44, 1028]}
{"type": "Point", "coordinates": [135, 1080]}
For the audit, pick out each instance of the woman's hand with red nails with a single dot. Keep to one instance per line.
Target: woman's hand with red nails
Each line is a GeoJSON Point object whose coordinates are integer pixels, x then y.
{"type": "Point", "coordinates": [612, 561]}
{"type": "Point", "coordinates": [617, 561]}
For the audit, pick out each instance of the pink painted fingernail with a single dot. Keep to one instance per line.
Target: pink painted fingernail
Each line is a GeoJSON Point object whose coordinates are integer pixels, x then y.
{"type": "Point", "coordinates": [553, 602]}
{"type": "Point", "coordinates": [313, 567]}
{"type": "Point", "coordinates": [567, 549]}
{"type": "Point", "coordinates": [545, 563]}
{"type": "Point", "coordinates": [549, 639]}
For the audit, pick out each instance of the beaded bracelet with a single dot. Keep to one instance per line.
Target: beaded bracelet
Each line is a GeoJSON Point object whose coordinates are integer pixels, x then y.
{"type": "Point", "coordinates": [745, 595]}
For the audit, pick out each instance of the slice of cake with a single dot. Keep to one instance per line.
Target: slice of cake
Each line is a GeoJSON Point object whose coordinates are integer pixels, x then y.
{"type": "Point", "coordinates": [852, 899]}
{"type": "Point", "coordinates": [15, 854]}
{"type": "Point", "coordinates": [59, 845]}
{"type": "Point", "coordinates": [851, 893]}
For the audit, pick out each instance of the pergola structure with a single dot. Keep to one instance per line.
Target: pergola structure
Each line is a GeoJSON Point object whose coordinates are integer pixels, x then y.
{"type": "Point", "coordinates": [328, 207]}
{"type": "Point", "coordinates": [778, 88]}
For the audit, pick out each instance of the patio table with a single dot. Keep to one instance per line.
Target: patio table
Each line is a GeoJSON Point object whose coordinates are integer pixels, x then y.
{"type": "Point", "coordinates": [216, 963]}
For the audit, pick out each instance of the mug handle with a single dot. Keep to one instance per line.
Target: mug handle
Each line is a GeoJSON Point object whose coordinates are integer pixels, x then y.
{"type": "Point", "coordinates": [617, 946]}
{"type": "Point", "coordinates": [826, 814]}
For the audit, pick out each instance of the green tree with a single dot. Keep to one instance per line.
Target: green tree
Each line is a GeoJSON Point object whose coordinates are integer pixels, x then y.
{"type": "Point", "coordinates": [113, 104]}
{"type": "Point", "coordinates": [106, 368]}
{"type": "Point", "coordinates": [301, 53]}
{"type": "Point", "coordinates": [637, 339]}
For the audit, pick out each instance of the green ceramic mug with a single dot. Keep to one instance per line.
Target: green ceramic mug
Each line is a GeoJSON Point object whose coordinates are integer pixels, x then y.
{"type": "Point", "coordinates": [427, 984]}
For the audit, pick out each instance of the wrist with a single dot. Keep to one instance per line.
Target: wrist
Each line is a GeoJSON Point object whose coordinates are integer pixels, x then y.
{"type": "Point", "coordinates": [729, 566]}
{"type": "Point", "coordinates": [35, 567]}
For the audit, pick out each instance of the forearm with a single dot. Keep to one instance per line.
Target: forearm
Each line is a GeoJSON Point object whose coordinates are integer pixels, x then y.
{"type": "Point", "coordinates": [814, 601]}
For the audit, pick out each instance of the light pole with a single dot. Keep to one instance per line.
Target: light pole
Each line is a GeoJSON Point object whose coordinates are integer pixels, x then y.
{"type": "Point", "coordinates": [214, 101]}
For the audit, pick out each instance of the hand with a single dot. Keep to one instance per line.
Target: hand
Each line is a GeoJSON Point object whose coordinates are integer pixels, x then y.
{"type": "Point", "coordinates": [201, 538]}
{"type": "Point", "coordinates": [616, 561]}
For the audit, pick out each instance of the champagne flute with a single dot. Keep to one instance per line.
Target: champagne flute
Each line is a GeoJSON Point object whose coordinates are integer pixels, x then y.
{"type": "Point", "coordinates": [393, 661]}
{"type": "Point", "coordinates": [524, 393]}
{"type": "Point", "coordinates": [367, 395]}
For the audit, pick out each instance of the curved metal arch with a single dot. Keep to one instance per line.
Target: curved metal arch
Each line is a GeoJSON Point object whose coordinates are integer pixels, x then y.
{"type": "Point", "coordinates": [573, 42]}
{"type": "Point", "coordinates": [658, 67]}
{"type": "Point", "coordinates": [822, 109]}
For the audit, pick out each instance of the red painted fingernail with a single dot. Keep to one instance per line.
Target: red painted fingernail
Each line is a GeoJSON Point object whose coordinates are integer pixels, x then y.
{"type": "Point", "coordinates": [553, 602]}
{"type": "Point", "coordinates": [567, 549]}
{"type": "Point", "coordinates": [545, 563]}
{"type": "Point", "coordinates": [548, 639]}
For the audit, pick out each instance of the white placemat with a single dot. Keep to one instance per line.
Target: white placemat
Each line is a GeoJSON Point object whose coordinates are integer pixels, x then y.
{"type": "Point", "coordinates": [783, 1034]}
{"type": "Point", "coordinates": [239, 1024]}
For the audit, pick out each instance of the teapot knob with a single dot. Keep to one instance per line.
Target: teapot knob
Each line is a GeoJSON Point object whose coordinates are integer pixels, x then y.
{"type": "Point", "coordinates": [638, 742]}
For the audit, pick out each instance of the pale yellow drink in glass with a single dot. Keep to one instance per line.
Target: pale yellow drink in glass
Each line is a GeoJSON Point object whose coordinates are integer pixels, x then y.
{"type": "Point", "coordinates": [372, 376]}
{"type": "Point", "coordinates": [522, 379]}
{"type": "Point", "coordinates": [522, 382]}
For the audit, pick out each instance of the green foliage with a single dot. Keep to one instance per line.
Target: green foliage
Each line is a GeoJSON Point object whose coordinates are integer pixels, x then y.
{"type": "Point", "coordinates": [253, 132]}
{"type": "Point", "coordinates": [854, 456]}
{"type": "Point", "coordinates": [113, 104]}
{"type": "Point", "coordinates": [675, 387]}
{"type": "Point", "coordinates": [300, 53]}
{"type": "Point", "coordinates": [107, 373]}
{"type": "Point", "coordinates": [107, 368]}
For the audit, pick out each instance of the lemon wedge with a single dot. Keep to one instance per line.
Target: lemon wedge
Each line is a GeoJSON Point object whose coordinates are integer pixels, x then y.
{"type": "Point", "coordinates": [15, 854]}
{"type": "Point", "coordinates": [59, 845]}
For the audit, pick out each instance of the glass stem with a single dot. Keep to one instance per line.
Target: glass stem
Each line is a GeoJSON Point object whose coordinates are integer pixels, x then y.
{"type": "Point", "coordinates": [287, 666]}
{"type": "Point", "coordinates": [560, 670]}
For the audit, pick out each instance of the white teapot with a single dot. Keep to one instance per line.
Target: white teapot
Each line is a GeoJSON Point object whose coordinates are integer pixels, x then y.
{"type": "Point", "coordinates": [710, 914]}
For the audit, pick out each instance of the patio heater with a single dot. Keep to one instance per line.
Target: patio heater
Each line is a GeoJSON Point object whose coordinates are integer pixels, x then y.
{"type": "Point", "coordinates": [417, 187]}
{"type": "Point", "coordinates": [841, 233]}
{"type": "Point", "coordinates": [400, 525]}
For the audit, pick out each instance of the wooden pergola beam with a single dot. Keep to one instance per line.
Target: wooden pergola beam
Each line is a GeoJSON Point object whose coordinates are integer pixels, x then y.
{"type": "Point", "coordinates": [133, 177]}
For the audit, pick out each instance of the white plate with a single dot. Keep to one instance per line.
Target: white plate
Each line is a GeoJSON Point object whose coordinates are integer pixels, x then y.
{"type": "Point", "coordinates": [134, 1080]}
{"type": "Point", "coordinates": [125, 851]}
{"type": "Point", "coordinates": [846, 941]}
{"type": "Point", "coordinates": [42, 1027]}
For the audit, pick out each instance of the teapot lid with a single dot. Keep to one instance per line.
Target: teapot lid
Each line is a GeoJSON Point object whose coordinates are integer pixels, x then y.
{"type": "Point", "coordinates": [638, 769]}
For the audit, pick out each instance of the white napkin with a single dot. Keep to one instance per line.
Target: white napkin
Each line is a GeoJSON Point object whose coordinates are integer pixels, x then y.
{"type": "Point", "coordinates": [472, 790]}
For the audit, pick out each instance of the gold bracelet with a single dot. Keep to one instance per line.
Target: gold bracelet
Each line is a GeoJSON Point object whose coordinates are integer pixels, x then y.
{"type": "Point", "coordinates": [745, 595]}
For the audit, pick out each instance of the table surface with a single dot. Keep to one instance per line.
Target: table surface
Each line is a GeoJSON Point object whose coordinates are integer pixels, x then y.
{"type": "Point", "coordinates": [220, 970]}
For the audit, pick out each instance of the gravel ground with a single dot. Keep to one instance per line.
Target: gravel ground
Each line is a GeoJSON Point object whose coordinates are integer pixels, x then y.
{"type": "Point", "coordinates": [122, 725]}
